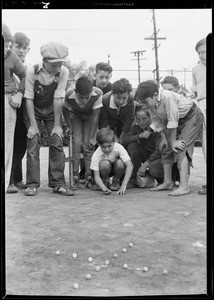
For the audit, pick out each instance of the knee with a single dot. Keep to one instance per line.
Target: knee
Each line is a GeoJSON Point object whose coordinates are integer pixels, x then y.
{"type": "Point", "coordinates": [119, 165]}
{"type": "Point", "coordinates": [56, 142]}
{"type": "Point", "coordinates": [105, 166]}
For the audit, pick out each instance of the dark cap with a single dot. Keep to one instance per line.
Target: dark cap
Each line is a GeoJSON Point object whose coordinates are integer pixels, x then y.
{"type": "Point", "coordinates": [54, 52]}
{"type": "Point", "coordinates": [21, 38]}
{"type": "Point", "coordinates": [6, 33]}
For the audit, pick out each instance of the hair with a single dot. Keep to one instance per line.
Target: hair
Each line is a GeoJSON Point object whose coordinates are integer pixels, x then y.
{"type": "Point", "coordinates": [21, 39]}
{"type": "Point", "coordinates": [105, 135]}
{"type": "Point", "coordinates": [84, 85]}
{"type": "Point", "coordinates": [171, 80]}
{"type": "Point", "coordinates": [200, 43]}
{"type": "Point", "coordinates": [146, 89]}
{"type": "Point", "coordinates": [139, 107]}
{"type": "Point", "coordinates": [121, 86]}
{"type": "Point", "coordinates": [102, 66]}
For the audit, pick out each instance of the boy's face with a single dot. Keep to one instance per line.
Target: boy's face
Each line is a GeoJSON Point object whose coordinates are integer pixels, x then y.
{"type": "Point", "coordinates": [170, 87]}
{"type": "Point", "coordinates": [52, 68]}
{"type": "Point", "coordinates": [102, 79]}
{"type": "Point", "coordinates": [21, 50]}
{"type": "Point", "coordinates": [107, 148]}
{"type": "Point", "coordinates": [143, 120]}
{"type": "Point", "coordinates": [120, 99]}
{"type": "Point", "coordinates": [150, 102]}
{"type": "Point", "coordinates": [83, 99]}
{"type": "Point", "coordinates": [202, 52]}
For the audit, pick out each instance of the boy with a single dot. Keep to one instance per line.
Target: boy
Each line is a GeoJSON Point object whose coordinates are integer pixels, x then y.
{"type": "Point", "coordinates": [117, 112]}
{"type": "Point", "coordinates": [110, 159]}
{"type": "Point", "coordinates": [140, 141]}
{"type": "Point", "coordinates": [44, 92]}
{"type": "Point", "coordinates": [199, 88]}
{"type": "Point", "coordinates": [81, 112]}
{"type": "Point", "coordinates": [183, 120]}
{"type": "Point", "coordinates": [21, 47]}
{"type": "Point", "coordinates": [171, 83]}
{"type": "Point", "coordinates": [102, 77]}
{"type": "Point", "coordinates": [13, 97]}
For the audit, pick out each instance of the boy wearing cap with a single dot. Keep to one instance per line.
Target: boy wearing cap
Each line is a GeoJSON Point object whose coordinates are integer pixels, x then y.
{"type": "Point", "coordinates": [44, 92]}
{"type": "Point", "coordinates": [21, 46]}
{"type": "Point", "coordinates": [13, 96]}
{"type": "Point", "coordinates": [81, 112]}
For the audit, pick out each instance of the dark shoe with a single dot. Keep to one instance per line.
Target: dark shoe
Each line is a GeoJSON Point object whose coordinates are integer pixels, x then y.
{"type": "Point", "coordinates": [131, 185]}
{"type": "Point", "coordinates": [31, 191]}
{"type": "Point", "coordinates": [63, 190]}
{"type": "Point", "coordinates": [107, 183]}
{"type": "Point", "coordinates": [11, 189]}
{"type": "Point", "coordinates": [21, 185]}
{"type": "Point", "coordinates": [90, 183]}
{"type": "Point", "coordinates": [76, 184]}
{"type": "Point", "coordinates": [203, 191]}
{"type": "Point", "coordinates": [115, 186]}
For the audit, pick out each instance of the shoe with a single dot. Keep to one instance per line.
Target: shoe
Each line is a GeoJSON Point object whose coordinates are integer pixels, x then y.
{"type": "Point", "coordinates": [107, 183]}
{"type": "Point", "coordinates": [31, 191]}
{"type": "Point", "coordinates": [131, 185]}
{"type": "Point", "coordinates": [11, 189]}
{"type": "Point", "coordinates": [63, 190]}
{"type": "Point", "coordinates": [21, 185]}
{"type": "Point", "coordinates": [90, 183]}
{"type": "Point", "coordinates": [115, 186]}
{"type": "Point", "coordinates": [76, 183]}
{"type": "Point", "coordinates": [203, 191]}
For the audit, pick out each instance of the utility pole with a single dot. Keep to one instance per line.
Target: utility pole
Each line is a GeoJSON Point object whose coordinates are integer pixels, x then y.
{"type": "Point", "coordinates": [155, 38]}
{"type": "Point", "coordinates": [138, 53]}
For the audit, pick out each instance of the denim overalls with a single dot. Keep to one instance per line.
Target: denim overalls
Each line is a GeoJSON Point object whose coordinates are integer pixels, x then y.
{"type": "Point", "coordinates": [44, 111]}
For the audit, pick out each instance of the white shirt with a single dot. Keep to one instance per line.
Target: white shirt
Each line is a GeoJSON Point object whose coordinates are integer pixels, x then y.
{"type": "Point", "coordinates": [118, 152]}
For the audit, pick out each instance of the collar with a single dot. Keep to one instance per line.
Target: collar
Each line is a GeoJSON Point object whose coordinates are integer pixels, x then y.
{"type": "Point", "coordinates": [73, 95]}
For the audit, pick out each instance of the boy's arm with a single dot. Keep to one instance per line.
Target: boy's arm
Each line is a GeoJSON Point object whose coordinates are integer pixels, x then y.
{"type": "Point", "coordinates": [94, 127]}
{"type": "Point", "coordinates": [99, 181]}
{"type": "Point", "coordinates": [33, 129]}
{"type": "Point", "coordinates": [66, 116]}
{"type": "Point", "coordinates": [103, 122]}
{"type": "Point", "coordinates": [128, 173]}
{"type": "Point", "coordinates": [57, 129]}
{"type": "Point", "coordinates": [130, 137]}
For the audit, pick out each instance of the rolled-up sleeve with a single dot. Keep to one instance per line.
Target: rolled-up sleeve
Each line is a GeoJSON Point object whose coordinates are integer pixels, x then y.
{"type": "Point", "coordinates": [29, 83]}
{"type": "Point", "coordinates": [63, 78]}
{"type": "Point", "coordinates": [172, 112]}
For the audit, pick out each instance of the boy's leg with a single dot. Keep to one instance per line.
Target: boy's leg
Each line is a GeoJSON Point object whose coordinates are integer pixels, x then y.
{"type": "Point", "coordinates": [119, 170]}
{"type": "Point", "coordinates": [183, 188]}
{"type": "Point", "coordinates": [156, 170]}
{"type": "Point", "coordinates": [77, 137]}
{"type": "Point", "coordinates": [167, 184]}
{"type": "Point", "coordinates": [138, 155]}
{"type": "Point", "coordinates": [10, 121]}
{"type": "Point", "coordinates": [56, 153]}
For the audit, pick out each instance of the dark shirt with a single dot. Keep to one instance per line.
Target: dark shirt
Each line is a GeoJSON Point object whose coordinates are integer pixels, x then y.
{"type": "Point", "coordinates": [110, 116]}
{"type": "Point", "coordinates": [106, 89]}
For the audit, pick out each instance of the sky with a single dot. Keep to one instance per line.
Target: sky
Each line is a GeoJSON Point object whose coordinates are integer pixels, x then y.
{"type": "Point", "coordinates": [93, 34]}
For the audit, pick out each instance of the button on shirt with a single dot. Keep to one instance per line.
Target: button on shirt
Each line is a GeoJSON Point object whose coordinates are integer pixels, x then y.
{"type": "Point", "coordinates": [45, 78]}
{"type": "Point", "coordinates": [170, 107]}
{"type": "Point", "coordinates": [199, 81]}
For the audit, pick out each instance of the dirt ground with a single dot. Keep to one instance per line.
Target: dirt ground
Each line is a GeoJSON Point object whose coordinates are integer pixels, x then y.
{"type": "Point", "coordinates": [167, 233]}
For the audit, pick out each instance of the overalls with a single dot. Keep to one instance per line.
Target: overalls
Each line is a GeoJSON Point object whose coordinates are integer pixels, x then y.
{"type": "Point", "coordinates": [44, 111]}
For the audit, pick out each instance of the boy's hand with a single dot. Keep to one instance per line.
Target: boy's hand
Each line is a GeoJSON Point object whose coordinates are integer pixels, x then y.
{"type": "Point", "coordinates": [32, 132]}
{"type": "Point", "coordinates": [122, 190]}
{"type": "Point", "coordinates": [92, 142]}
{"type": "Point", "coordinates": [179, 144]}
{"type": "Point", "coordinates": [144, 134]}
{"type": "Point", "coordinates": [142, 170]}
{"type": "Point", "coordinates": [16, 100]}
{"type": "Point", "coordinates": [106, 191]}
{"type": "Point", "coordinates": [57, 130]}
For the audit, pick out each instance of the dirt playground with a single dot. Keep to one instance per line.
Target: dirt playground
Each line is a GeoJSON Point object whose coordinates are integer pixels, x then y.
{"type": "Point", "coordinates": [90, 244]}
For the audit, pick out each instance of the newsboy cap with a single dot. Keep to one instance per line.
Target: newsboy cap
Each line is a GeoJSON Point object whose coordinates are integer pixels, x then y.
{"type": "Point", "coordinates": [54, 52]}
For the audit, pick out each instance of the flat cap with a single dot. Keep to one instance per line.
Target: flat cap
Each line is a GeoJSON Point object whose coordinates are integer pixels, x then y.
{"type": "Point", "coordinates": [54, 52]}
{"type": "Point", "coordinates": [6, 33]}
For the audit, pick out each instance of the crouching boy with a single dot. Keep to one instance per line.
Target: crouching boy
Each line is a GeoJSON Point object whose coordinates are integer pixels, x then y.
{"type": "Point", "coordinates": [111, 159]}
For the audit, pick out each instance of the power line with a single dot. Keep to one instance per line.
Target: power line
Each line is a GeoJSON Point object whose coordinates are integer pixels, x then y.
{"type": "Point", "coordinates": [138, 53]}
